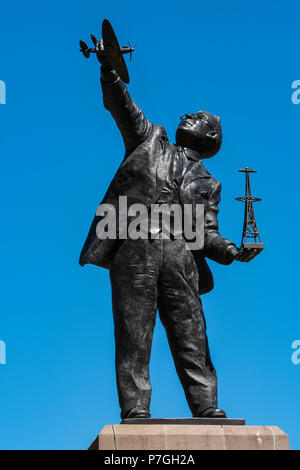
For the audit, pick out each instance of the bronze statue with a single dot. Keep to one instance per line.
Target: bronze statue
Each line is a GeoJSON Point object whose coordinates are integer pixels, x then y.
{"type": "Point", "coordinates": [154, 272]}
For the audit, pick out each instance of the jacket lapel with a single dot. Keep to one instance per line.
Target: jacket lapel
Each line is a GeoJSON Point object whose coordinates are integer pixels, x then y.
{"type": "Point", "coordinates": [194, 172]}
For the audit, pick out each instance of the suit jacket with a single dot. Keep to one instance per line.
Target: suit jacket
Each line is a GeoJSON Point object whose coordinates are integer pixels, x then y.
{"type": "Point", "coordinates": [143, 174]}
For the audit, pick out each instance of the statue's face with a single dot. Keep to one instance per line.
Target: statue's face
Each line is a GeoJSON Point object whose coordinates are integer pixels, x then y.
{"type": "Point", "coordinates": [201, 132]}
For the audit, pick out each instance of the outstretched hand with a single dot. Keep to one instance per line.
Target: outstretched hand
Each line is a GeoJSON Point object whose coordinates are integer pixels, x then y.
{"type": "Point", "coordinates": [242, 254]}
{"type": "Point", "coordinates": [102, 55]}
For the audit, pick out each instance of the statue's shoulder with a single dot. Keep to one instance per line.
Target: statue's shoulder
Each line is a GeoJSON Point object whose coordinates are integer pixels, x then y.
{"type": "Point", "coordinates": [202, 171]}
{"type": "Point", "coordinates": [160, 132]}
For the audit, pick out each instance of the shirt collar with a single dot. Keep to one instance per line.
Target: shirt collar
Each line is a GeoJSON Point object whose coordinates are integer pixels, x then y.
{"type": "Point", "coordinates": [191, 154]}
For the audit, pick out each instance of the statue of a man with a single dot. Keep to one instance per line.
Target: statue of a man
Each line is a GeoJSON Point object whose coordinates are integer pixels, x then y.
{"type": "Point", "coordinates": [157, 273]}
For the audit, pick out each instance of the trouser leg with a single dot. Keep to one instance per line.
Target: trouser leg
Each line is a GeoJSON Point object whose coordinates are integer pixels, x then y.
{"type": "Point", "coordinates": [181, 313]}
{"type": "Point", "coordinates": [134, 274]}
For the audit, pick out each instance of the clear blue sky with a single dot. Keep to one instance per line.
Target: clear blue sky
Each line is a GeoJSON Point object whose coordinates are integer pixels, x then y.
{"type": "Point", "coordinates": [59, 151]}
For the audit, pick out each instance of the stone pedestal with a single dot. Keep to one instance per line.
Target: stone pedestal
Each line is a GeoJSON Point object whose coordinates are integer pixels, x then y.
{"type": "Point", "coordinates": [190, 437]}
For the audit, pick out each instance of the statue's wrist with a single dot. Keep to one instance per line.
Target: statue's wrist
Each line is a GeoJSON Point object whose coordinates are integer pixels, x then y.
{"type": "Point", "coordinates": [109, 75]}
{"type": "Point", "coordinates": [230, 245]}
{"type": "Point", "coordinates": [231, 251]}
{"type": "Point", "coordinates": [107, 68]}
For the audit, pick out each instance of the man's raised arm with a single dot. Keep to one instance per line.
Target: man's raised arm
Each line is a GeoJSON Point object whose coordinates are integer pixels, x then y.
{"type": "Point", "coordinates": [131, 121]}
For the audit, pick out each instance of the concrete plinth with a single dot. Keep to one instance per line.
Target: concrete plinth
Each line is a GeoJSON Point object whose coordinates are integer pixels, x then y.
{"type": "Point", "coordinates": [190, 437]}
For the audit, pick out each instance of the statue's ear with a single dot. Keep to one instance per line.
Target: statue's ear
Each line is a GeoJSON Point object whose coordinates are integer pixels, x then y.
{"type": "Point", "coordinates": [213, 135]}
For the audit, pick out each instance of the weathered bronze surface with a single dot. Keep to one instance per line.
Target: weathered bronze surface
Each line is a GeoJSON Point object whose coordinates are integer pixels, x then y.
{"type": "Point", "coordinates": [150, 274]}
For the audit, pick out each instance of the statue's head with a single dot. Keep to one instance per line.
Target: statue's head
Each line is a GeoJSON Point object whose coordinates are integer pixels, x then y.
{"type": "Point", "coordinates": [201, 132]}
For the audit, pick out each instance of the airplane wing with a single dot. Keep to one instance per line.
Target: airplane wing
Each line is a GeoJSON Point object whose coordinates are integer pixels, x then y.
{"type": "Point", "coordinates": [111, 42]}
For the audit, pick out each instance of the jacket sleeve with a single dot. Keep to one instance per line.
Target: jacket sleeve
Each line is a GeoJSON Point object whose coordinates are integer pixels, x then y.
{"type": "Point", "coordinates": [131, 121]}
{"type": "Point", "coordinates": [215, 245]}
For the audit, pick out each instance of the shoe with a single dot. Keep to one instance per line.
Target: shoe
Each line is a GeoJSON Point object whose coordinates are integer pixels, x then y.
{"type": "Point", "coordinates": [137, 413]}
{"type": "Point", "coordinates": [212, 413]}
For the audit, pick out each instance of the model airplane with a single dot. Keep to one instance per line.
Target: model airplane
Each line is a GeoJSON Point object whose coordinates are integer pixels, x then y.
{"type": "Point", "coordinates": [109, 46]}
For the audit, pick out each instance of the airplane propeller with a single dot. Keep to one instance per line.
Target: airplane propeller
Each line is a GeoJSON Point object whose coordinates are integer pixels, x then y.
{"type": "Point", "coordinates": [132, 49]}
